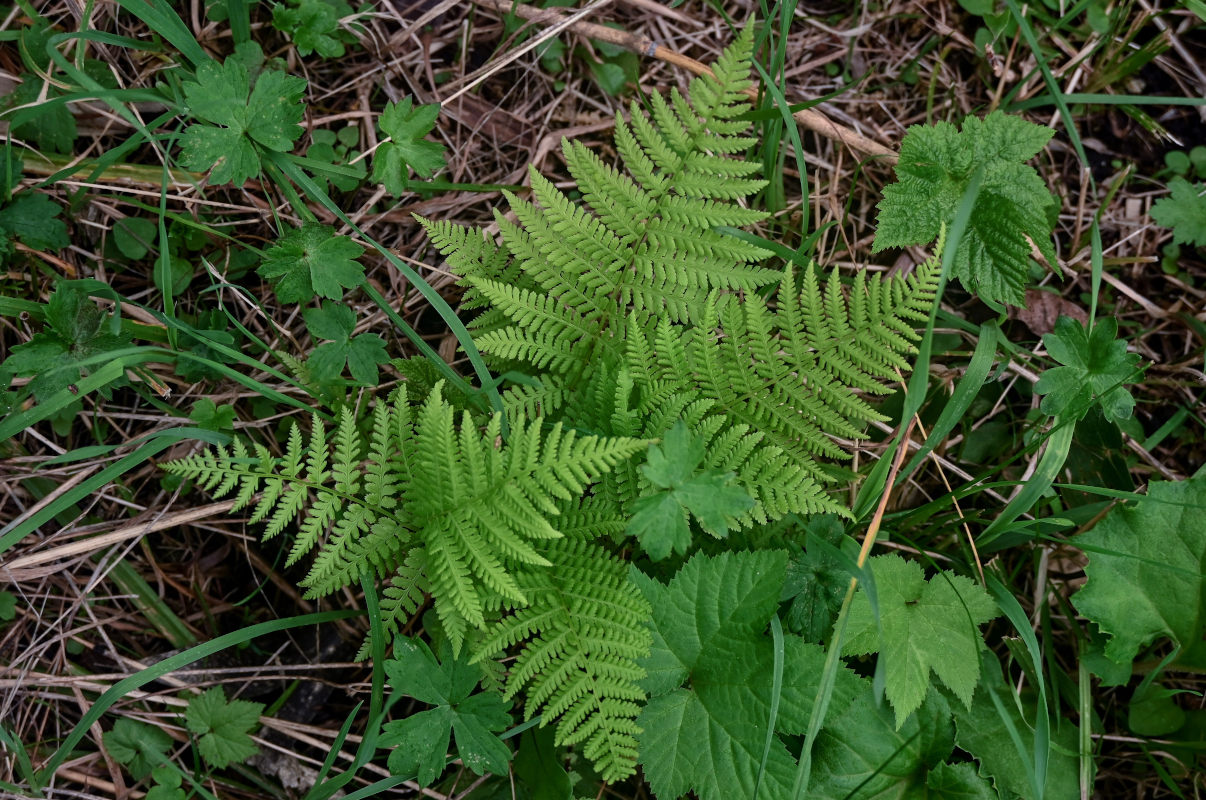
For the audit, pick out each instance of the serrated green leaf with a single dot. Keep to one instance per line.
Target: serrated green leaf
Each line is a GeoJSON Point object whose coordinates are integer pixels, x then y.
{"type": "Point", "coordinates": [1095, 364]}
{"type": "Point", "coordinates": [982, 732]}
{"type": "Point", "coordinates": [926, 626]}
{"type": "Point", "coordinates": [406, 124]}
{"type": "Point", "coordinates": [1146, 561]}
{"type": "Point", "coordinates": [707, 736]}
{"type": "Point", "coordinates": [32, 218]}
{"type": "Point", "coordinates": [1184, 210]}
{"type": "Point", "coordinates": [659, 519]}
{"type": "Point", "coordinates": [420, 741]}
{"type": "Point", "coordinates": [52, 127]}
{"type": "Point", "coordinates": [222, 96]}
{"type": "Point", "coordinates": [223, 727]}
{"type": "Point", "coordinates": [77, 330]}
{"type": "Point", "coordinates": [937, 163]}
{"type": "Point", "coordinates": [313, 25]}
{"type": "Point", "coordinates": [312, 260]}
{"type": "Point", "coordinates": [137, 745]}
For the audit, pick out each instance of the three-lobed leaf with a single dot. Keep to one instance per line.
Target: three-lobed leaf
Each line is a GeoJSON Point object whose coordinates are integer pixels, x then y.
{"type": "Point", "coordinates": [923, 627]}
{"type": "Point", "coordinates": [1095, 365]}
{"type": "Point", "coordinates": [936, 165]}
{"type": "Point", "coordinates": [360, 354]}
{"type": "Point", "coordinates": [406, 124]}
{"type": "Point", "coordinates": [312, 260]}
{"type": "Point", "coordinates": [420, 740]}
{"type": "Point", "coordinates": [223, 727]}
{"type": "Point", "coordinates": [137, 745]}
{"type": "Point", "coordinates": [680, 488]}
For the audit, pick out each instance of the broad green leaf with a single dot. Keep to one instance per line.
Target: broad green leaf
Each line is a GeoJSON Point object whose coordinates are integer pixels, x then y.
{"type": "Point", "coordinates": [958, 782]}
{"type": "Point", "coordinates": [167, 783]}
{"type": "Point", "coordinates": [710, 676]}
{"type": "Point", "coordinates": [223, 727]}
{"type": "Point", "coordinates": [982, 732]}
{"type": "Point", "coordinates": [924, 627]}
{"type": "Point", "coordinates": [1146, 561]}
{"type": "Point", "coordinates": [33, 219]}
{"type": "Point", "coordinates": [420, 741]}
{"type": "Point", "coordinates": [137, 745]}
{"type": "Point", "coordinates": [1094, 366]}
{"type": "Point", "coordinates": [312, 260]}
{"type": "Point", "coordinates": [361, 354]}
{"type": "Point", "coordinates": [406, 124]}
{"type": "Point", "coordinates": [1184, 210]}
{"type": "Point", "coordinates": [8, 606]}
{"type": "Point", "coordinates": [1011, 211]}
{"type": "Point", "coordinates": [237, 118]}
{"type": "Point", "coordinates": [659, 519]}
{"type": "Point", "coordinates": [76, 330]}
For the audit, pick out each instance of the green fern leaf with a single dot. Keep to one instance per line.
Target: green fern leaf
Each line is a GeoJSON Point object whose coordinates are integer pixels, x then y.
{"type": "Point", "coordinates": [582, 635]}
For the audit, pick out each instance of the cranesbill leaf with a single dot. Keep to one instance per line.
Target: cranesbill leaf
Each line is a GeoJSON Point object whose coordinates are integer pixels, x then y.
{"type": "Point", "coordinates": [137, 745]}
{"type": "Point", "coordinates": [1184, 210]}
{"type": "Point", "coordinates": [223, 727]}
{"type": "Point", "coordinates": [927, 626]}
{"type": "Point", "coordinates": [659, 518]}
{"type": "Point", "coordinates": [1094, 367]}
{"type": "Point", "coordinates": [936, 164]}
{"type": "Point", "coordinates": [420, 741]}
{"type": "Point", "coordinates": [313, 25]}
{"type": "Point", "coordinates": [1146, 561]}
{"type": "Point", "coordinates": [406, 124]}
{"type": "Point", "coordinates": [312, 260]}
{"type": "Point", "coordinates": [237, 119]}
{"type": "Point", "coordinates": [76, 331]}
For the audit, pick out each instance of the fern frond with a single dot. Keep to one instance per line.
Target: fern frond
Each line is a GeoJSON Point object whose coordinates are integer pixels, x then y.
{"type": "Point", "coordinates": [643, 242]}
{"type": "Point", "coordinates": [580, 637]}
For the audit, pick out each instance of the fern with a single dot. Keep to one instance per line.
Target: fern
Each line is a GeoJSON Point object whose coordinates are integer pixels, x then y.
{"type": "Point", "coordinates": [452, 511]}
{"type": "Point", "coordinates": [628, 312]}
{"type": "Point", "coordinates": [583, 633]}
{"type": "Point", "coordinates": [566, 278]}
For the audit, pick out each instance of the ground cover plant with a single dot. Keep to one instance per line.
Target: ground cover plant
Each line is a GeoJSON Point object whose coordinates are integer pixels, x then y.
{"type": "Point", "coordinates": [482, 400]}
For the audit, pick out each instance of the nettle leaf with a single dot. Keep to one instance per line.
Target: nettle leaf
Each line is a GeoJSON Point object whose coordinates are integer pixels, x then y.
{"type": "Point", "coordinates": [923, 627]}
{"type": "Point", "coordinates": [137, 745]}
{"type": "Point", "coordinates": [936, 164]}
{"type": "Point", "coordinates": [1184, 210]}
{"type": "Point", "coordinates": [312, 260]}
{"type": "Point", "coordinates": [360, 354]}
{"type": "Point", "coordinates": [659, 518]}
{"type": "Point", "coordinates": [76, 330]}
{"type": "Point", "coordinates": [1146, 562]}
{"type": "Point", "coordinates": [710, 675]}
{"type": "Point", "coordinates": [1095, 364]}
{"type": "Point", "coordinates": [241, 119]}
{"type": "Point", "coordinates": [223, 727]}
{"type": "Point", "coordinates": [420, 741]}
{"type": "Point", "coordinates": [406, 124]}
